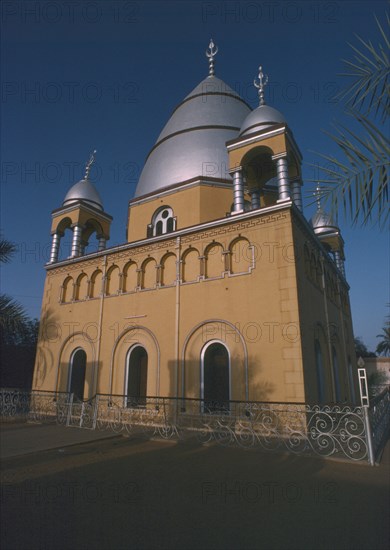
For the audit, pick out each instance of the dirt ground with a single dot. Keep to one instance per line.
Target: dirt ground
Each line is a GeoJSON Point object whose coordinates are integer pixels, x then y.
{"type": "Point", "coordinates": [133, 493]}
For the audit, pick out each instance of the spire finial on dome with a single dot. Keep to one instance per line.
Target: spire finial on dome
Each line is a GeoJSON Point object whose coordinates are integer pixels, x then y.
{"type": "Point", "coordinates": [89, 164]}
{"type": "Point", "coordinates": [317, 194]}
{"type": "Point", "coordinates": [261, 84]}
{"type": "Point", "coordinates": [211, 52]}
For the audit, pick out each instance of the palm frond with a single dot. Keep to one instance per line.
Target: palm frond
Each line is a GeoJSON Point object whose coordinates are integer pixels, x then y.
{"type": "Point", "coordinates": [360, 183]}
{"type": "Point", "coordinates": [370, 74]}
{"type": "Point", "coordinates": [12, 315]}
{"type": "Point", "coordinates": [7, 249]}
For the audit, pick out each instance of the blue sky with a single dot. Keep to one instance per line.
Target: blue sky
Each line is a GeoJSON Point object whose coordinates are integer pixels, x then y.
{"type": "Point", "coordinates": [104, 75]}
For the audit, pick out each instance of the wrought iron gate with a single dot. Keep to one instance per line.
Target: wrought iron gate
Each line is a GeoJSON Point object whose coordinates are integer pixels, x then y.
{"type": "Point", "coordinates": [82, 414]}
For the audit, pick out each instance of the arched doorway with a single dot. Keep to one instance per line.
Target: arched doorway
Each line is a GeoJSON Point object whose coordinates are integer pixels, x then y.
{"type": "Point", "coordinates": [136, 377]}
{"type": "Point", "coordinates": [215, 384]}
{"type": "Point", "coordinates": [78, 364]}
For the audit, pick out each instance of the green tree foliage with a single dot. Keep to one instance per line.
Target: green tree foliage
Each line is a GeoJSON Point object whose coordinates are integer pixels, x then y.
{"type": "Point", "coordinates": [18, 335]}
{"type": "Point", "coordinates": [7, 249]}
{"type": "Point", "coordinates": [358, 178]}
{"type": "Point", "coordinates": [383, 348]}
{"type": "Point", "coordinates": [361, 349]}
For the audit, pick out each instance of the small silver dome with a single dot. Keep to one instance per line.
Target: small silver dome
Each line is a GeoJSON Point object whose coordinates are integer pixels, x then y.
{"type": "Point", "coordinates": [261, 118]}
{"type": "Point", "coordinates": [193, 142]}
{"type": "Point", "coordinates": [84, 191]}
{"type": "Point", "coordinates": [322, 222]}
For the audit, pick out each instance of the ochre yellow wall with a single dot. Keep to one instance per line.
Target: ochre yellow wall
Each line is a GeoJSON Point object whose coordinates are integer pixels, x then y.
{"type": "Point", "coordinates": [256, 303]}
{"type": "Point", "coordinates": [192, 206]}
{"type": "Point", "coordinates": [325, 315]}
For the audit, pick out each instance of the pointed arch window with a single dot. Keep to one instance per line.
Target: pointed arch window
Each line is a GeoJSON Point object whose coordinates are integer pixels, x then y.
{"type": "Point", "coordinates": [163, 221]}
{"type": "Point", "coordinates": [215, 378]}
{"type": "Point", "coordinates": [336, 375]}
{"type": "Point", "coordinates": [136, 377]}
{"type": "Point", "coordinates": [320, 371]}
{"type": "Point", "coordinates": [77, 368]}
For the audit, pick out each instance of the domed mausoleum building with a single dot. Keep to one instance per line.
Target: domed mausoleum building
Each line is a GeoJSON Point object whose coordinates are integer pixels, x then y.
{"type": "Point", "coordinates": [223, 291]}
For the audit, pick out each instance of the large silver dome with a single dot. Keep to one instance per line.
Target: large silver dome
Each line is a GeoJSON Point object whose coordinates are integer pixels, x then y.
{"type": "Point", "coordinates": [193, 142]}
{"type": "Point", "coordinates": [83, 190]}
{"type": "Point", "coordinates": [261, 118]}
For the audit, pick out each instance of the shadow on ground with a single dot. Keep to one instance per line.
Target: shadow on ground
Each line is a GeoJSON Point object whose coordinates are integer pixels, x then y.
{"type": "Point", "coordinates": [136, 494]}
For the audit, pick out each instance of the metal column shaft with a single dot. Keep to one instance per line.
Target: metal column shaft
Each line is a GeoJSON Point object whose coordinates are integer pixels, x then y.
{"type": "Point", "coordinates": [102, 244]}
{"type": "Point", "coordinates": [255, 199]}
{"type": "Point", "coordinates": [55, 247]}
{"type": "Point", "coordinates": [283, 181]}
{"type": "Point", "coordinates": [238, 191]}
{"type": "Point", "coordinates": [297, 194]}
{"type": "Point", "coordinates": [76, 241]}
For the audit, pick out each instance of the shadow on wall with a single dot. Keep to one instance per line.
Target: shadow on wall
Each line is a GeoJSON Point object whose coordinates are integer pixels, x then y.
{"type": "Point", "coordinates": [192, 380]}
{"type": "Point", "coordinates": [50, 332]}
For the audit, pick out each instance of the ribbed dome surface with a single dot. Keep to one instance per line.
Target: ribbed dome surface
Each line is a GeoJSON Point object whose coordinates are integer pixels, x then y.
{"type": "Point", "coordinates": [83, 190]}
{"type": "Point", "coordinates": [193, 142]}
{"type": "Point", "coordinates": [261, 118]}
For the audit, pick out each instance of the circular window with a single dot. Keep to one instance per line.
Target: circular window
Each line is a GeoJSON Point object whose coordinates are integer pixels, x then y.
{"type": "Point", "coordinates": [165, 214]}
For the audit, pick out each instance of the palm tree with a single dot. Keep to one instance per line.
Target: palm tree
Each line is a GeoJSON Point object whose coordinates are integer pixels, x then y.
{"type": "Point", "coordinates": [359, 181]}
{"type": "Point", "coordinates": [12, 315]}
{"type": "Point", "coordinates": [7, 249]}
{"type": "Point", "coordinates": [383, 348]}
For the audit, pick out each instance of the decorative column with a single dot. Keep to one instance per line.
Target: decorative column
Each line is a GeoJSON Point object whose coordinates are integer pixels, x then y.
{"type": "Point", "coordinates": [55, 247]}
{"type": "Point", "coordinates": [159, 274]}
{"type": "Point", "coordinates": [255, 199]}
{"type": "Point", "coordinates": [139, 278]}
{"type": "Point", "coordinates": [339, 262]}
{"type": "Point", "coordinates": [283, 181]}
{"type": "Point", "coordinates": [238, 191]}
{"type": "Point", "coordinates": [83, 245]}
{"type": "Point", "coordinates": [202, 267]}
{"type": "Point", "coordinates": [76, 241]}
{"type": "Point", "coordinates": [102, 243]}
{"type": "Point", "coordinates": [297, 193]}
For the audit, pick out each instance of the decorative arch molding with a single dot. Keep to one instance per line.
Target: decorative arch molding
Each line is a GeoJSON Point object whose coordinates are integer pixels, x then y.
{"type": "Point", "coordinates": [112, 281]}
{"type": "Point", "coordinates": [130, 276]}
{"type": "Point", "coordinates": [67, 290]}
{"type": "Point", "coordinates": [144, 337]}
{"type": "Point", "coordinates": [240, 261]}
{"type": "Point", "coordinates": [63, 224]}
{"type": "Point", "coordinates": [191, 267]}
{"type": "Point", "coordinates": [90, 227]}
{"type": "Point", "coordinates": [196, 340]}
{"type": "Point", "coordinates": [168, 273]}
{"type": "Point", "coordinates": [73, 342]}
{"type": "Point", "coordinates": [214, 260]}
{"type": "Point", "coordinates": [81, 291]}
{"type": "Point", "coordinates": [96, 284]}
{"type": "Point", "coordinates": [149, 274]}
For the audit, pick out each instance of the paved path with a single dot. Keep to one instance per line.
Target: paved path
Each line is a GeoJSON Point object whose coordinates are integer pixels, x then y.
{"type": "Point", "coordinates": [134, 494]}
{"type": "Point", "coordinates": [23, 438]}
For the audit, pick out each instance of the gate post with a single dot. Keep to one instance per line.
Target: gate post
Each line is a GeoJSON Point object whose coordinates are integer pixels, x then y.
{"type": "Point", "coordinates": [70, 404]}
{"type": "Point", "coordinates": [365, 402]}
{"type": "Point", "coordinates": [95, 412]}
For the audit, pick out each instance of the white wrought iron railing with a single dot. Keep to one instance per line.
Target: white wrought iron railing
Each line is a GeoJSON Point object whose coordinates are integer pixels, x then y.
{"type": "Point", "coordinates": [333, 430]}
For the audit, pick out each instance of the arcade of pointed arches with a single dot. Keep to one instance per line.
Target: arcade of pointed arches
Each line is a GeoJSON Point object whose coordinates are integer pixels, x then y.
{"type": "Point", "coordinates": [214, 263]}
